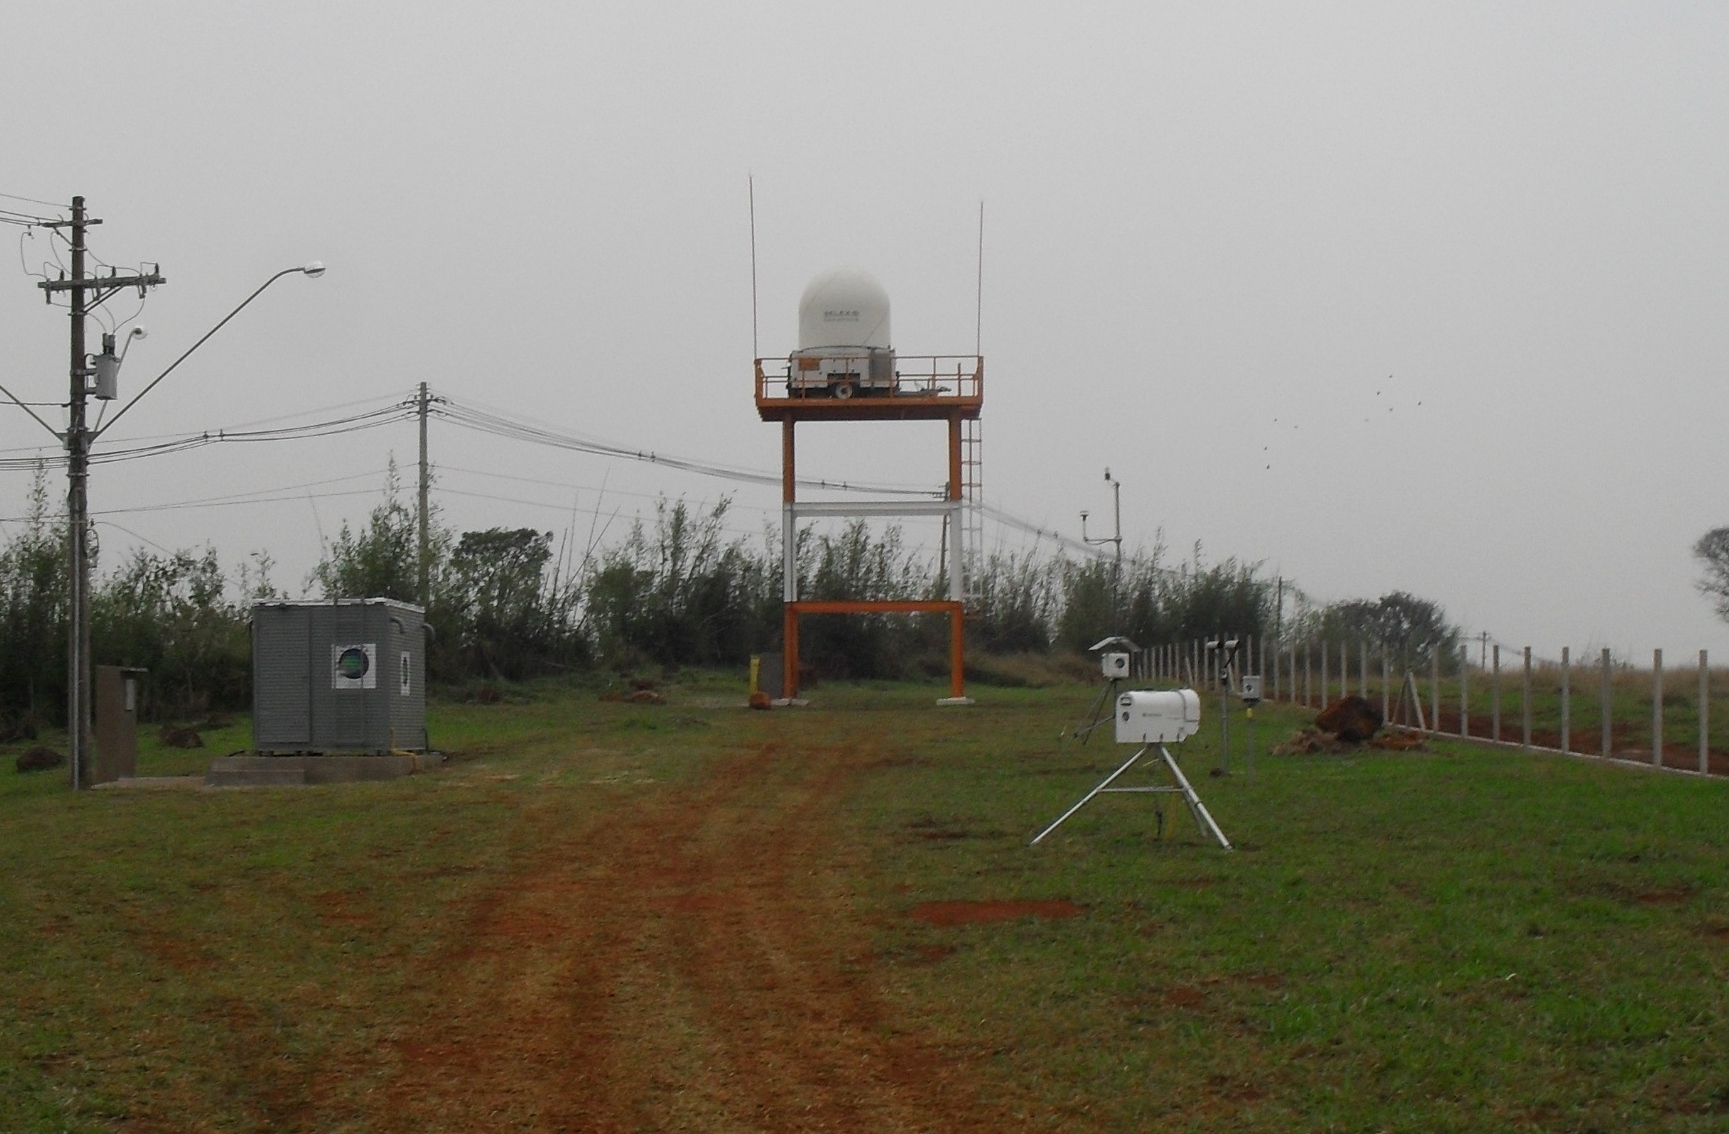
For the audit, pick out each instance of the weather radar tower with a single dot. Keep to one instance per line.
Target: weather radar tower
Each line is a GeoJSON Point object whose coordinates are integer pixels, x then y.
{"type": "Point", "coordinates": [846, 370]}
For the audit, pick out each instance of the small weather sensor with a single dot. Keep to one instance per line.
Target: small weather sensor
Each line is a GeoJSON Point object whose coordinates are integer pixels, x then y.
{"type": "Point", "coordinates": [1114, 655]}
{"type": "Point", "coordinates": [1251, 691]}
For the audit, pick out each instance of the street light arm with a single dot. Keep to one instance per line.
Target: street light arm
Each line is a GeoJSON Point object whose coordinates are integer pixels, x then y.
{"type": "Point", "coordinates": [313, 270]}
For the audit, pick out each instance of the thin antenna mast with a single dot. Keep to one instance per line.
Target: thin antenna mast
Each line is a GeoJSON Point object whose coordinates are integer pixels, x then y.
{"type": "Point", "coordinates": [755, 351]}
{"type": "Point", "coordinates": [979, 318]}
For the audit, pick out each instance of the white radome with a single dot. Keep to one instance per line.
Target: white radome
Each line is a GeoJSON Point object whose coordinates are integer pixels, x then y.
{"type": "Point", "coordinates": [844, 308]}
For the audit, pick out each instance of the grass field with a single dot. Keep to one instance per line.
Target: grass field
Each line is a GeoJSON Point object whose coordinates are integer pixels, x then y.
{"type": "Point", "coordinates": [1460, 939]}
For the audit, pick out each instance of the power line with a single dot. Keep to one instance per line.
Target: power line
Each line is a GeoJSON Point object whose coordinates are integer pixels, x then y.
{"type": "Point", "coordinates": [236, 428]}
{"type": "Point", "coordinates": [30, 200]}
{"type": "Point", "coordinates": [495, 423]}
{"type": "Point", "coordinates": [133, 534]}
{"type": "Point", "coordinates": [1009, 519]}
{"type": "Point", "coordinates": [15, 216]}
{"type": "Point", "coordinates": [499, 424]}
{"type": "Point", "coordinates": [596, 511]}
{"type": "Point", "coordinates": [294, 499]}
{"type": "Point", "coordinates": [257, 496]}
{"type": "Point", "coordinates": [568, 487]}
{"type": "Point", "coordinates": [352, 424]}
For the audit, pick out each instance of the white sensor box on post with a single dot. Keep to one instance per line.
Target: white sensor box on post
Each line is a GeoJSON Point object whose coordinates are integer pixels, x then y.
{"type": "Point", "coordinates": [1163, 717]}
{"type": "Point", "coordinates": [1114, 665]}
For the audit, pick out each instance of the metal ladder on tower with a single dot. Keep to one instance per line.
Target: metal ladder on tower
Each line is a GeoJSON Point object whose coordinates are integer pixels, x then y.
{"type": "Point", "coordinates": [972, 510]}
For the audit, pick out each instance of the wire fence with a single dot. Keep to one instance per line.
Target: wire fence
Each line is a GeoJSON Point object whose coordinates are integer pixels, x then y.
{"type": "Point", "coordinates": [1615, 708]}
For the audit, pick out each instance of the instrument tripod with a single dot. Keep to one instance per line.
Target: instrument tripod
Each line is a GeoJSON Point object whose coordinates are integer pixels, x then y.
{"type": "Point", "coordinates": [1101, 711]}
{"type": "Point", "coordinates": [1179, 785]}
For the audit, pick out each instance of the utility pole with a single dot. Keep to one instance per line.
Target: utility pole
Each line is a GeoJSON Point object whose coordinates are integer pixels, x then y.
{"type": "Point", "coordinates": [78, 526]}
{"type": "Point", "coordinates": [425, 543]}
{"type": "Point", "coordinates": [86, 294]}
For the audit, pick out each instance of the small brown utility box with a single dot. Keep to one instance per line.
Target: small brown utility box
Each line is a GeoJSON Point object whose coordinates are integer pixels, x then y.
{"type": "Point", "coordinates": [116, 723]}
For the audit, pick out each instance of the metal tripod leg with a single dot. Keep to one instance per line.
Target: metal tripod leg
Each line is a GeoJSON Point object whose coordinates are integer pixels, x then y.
{"type": "Point", "coordinates": [1103, 709]}
{"type": "Point", "coordinates": [1196, 808]}
{"type": "Point", "coordinates": [1085, 799]}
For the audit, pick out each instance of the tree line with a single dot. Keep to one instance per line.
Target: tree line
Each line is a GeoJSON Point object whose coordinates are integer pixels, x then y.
{"type": "Point", "coordinates": [677, 590]}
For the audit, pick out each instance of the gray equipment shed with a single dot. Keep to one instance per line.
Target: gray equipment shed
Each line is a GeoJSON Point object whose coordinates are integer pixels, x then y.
{"type": "Point", "coordinates": [343, 675]}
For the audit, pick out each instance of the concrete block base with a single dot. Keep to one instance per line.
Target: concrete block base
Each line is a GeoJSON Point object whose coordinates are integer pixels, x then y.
{"type": "Point", "coordinates": [293, 771]}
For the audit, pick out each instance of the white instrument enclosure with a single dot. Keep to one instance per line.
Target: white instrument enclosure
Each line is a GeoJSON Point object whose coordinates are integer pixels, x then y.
{"type": "Point", "coordinates": [1158, 717]}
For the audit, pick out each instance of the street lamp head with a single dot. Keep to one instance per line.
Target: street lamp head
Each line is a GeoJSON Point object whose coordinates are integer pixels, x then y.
{"type": "Point", "coordinates": [134, 333]}
{"type": "Point", "coordinates": [314, 269]}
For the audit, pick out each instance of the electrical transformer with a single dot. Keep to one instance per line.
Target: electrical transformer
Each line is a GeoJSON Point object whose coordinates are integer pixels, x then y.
{"type": "Point", "coordinates": [338, 676]}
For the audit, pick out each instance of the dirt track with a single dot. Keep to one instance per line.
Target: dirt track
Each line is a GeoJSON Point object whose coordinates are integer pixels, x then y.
{"type": "Point", "coordinates": [692, 962]}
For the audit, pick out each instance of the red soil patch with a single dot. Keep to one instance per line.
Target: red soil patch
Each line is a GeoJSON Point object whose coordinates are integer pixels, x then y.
{"type": "Point", "coordinates": [338, 908]}
{"type": "Point", "coordinates": [1186, 998]}
{"type": "Point", "coordinates": [692, 962]}
{"type": "Point", "coordinates": [971, 913]}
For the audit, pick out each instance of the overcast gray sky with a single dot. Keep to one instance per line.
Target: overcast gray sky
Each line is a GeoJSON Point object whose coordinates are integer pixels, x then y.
{"type": "Point", "coordinates": [1420, 297]}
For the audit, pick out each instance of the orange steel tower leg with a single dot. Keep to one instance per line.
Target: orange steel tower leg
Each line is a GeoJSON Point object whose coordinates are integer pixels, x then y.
{"type": "Point", "coordinates": [789, 617]}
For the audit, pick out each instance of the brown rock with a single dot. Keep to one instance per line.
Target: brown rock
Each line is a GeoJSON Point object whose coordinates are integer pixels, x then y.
{"type": "Point", "coordinates": [175, 737]}
{"type": "Point", "coordinates": [1349, 718]}
{"type": "Point", "coordinates": [39, 759]}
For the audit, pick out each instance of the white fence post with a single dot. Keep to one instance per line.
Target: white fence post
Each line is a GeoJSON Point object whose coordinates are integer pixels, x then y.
{"type": "Point", "coordinates": [1525, 702]}
{"type": "Point", "coordinates": [1326, 656]}
{"type": "Point", "coordinates": [1386, 683]}
{"type": "Point", "coordinates": [1606, 708]}
{"type": "Point", "coordinates": [1435, 689]}
{"type": "Point", "coordinates": [1495, 695]}
{"type": "Point", "coordinates": [1566, 700]}
{"type": "Point", "coordinates": [1464, 690]}
{"type": "Point", "coordinates": [1704, 714]}
{"type": "Point", "coordinates": [1656, 708]}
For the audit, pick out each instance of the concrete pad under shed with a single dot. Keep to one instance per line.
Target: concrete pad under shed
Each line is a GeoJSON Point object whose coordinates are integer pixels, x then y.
{"type": "Point", "coordinates": [153, 783]}
{"type": "Point", "coordinates": [294, 771]}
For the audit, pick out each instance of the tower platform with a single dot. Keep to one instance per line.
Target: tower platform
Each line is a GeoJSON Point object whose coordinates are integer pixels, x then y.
{"type": "Point", "coordinates": [923, 388]}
